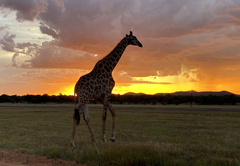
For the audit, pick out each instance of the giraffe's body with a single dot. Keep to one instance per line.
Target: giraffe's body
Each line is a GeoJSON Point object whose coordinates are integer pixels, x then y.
{"type": "Point", "coordinates": [99, 84]}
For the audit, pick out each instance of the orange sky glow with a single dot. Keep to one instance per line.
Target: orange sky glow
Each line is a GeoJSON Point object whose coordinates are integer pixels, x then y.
{"type": "Point", "coordinates": [46, 45]}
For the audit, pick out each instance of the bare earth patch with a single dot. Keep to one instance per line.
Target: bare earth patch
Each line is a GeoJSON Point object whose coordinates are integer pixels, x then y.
{"type": "Point", "coordinates": [18, 159]}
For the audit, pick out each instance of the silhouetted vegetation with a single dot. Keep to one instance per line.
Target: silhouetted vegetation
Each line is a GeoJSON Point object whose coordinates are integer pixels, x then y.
{"type": "Point", "coordinates": [129, 99]}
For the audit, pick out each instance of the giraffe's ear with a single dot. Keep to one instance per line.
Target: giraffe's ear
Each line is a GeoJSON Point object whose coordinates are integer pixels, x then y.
{"type": "Point", "coordinates": [130, 33]}
{"type": "Point", "coordinates": [126, 35]}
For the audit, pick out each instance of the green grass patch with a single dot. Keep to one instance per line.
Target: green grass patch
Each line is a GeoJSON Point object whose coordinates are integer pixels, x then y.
{"type": "Point", "coordinates": [55, 152]}
{"type": "Point", "coordinates": [131, 155]}
{"type": "Point", "coordinates": [143, 137]}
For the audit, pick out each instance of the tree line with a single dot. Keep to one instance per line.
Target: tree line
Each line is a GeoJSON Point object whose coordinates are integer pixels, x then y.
{"type": "Point", "coordinates": [129, 99]}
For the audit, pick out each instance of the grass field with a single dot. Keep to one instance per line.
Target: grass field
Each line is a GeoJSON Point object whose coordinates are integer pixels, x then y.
{"type": "Point", "coordinates": [164, 136]}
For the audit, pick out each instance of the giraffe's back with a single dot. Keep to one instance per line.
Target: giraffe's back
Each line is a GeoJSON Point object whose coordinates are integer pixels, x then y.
{"type": "Point", "coordinates": [94, 85]}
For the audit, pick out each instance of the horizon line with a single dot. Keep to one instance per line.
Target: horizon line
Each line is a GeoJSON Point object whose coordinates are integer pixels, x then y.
{"type": "Point", "coordinates": [131, 93]}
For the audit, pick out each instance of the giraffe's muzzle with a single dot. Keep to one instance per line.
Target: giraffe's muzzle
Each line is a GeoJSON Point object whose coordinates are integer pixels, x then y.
{"type": "Point", "coordinates": [140, 44]}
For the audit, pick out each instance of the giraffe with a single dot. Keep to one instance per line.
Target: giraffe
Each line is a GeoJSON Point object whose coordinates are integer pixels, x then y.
{"type": "Point", "coordinates": [99, 84]}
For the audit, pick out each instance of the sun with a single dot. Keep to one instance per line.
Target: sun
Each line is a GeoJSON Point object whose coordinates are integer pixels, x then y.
{"type": "Point", "coordinates": [68, 90]}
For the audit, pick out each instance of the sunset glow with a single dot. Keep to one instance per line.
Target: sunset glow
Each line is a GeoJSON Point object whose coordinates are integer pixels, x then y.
{"type": "Point", "coordinates": [187, 45]}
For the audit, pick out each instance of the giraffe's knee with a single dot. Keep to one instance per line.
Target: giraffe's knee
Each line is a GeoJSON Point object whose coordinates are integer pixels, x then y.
{"type": "Point", "coordinates": [112, 110]}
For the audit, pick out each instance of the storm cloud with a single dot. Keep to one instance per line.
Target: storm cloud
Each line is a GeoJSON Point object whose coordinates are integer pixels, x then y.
{"type": "Point", "coordinates": [174, 33]}
{"type": "Point", "coordinates": [7, 43]}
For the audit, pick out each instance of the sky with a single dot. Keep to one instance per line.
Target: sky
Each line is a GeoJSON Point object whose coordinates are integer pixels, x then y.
{"type": "Point", "coordinates": [46, 45]}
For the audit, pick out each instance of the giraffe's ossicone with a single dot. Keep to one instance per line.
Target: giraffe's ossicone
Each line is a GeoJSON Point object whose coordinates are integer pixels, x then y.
{"type": "Point", "coordinates": [99, 83]}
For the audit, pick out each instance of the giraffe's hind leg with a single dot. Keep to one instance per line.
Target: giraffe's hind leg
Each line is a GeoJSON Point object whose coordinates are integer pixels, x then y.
{"type": "Point", "coordinates": [75, 123]}
{"type": "Point", "coordinates": [86, 119]}
{"type": "Point", "coordinates": [76, 120]}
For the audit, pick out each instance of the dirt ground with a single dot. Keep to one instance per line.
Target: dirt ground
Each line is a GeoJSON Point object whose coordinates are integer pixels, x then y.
{"type": "Point", "coordinates": [18, 159]}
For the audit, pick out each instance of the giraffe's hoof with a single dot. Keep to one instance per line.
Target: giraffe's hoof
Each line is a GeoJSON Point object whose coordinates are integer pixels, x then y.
{"type": "Point", "coordinates": [104, 139]}
{"type": "Point", "coordinates": [72, 145]}
{"type": "Point", "coordinates": [112, 139]}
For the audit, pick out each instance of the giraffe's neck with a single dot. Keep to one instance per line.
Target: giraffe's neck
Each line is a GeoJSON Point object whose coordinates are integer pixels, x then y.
{"type": "Point", "coordinates": [110, 61]}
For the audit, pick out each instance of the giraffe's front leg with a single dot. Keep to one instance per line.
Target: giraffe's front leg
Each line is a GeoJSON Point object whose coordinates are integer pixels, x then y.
{"type": "Point", "coordinates": [113, 121]}
{"type": "Point", "coordinates": [104, 117]}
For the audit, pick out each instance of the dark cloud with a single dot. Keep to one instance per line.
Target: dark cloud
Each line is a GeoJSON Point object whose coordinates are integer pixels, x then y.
{"type": "Point", "coordinates": [25, 45]}
{"type": "Point", "coordinates": [194, 33]}
{"type": "Point", "coordinates": [14, 62]}
{"type": "Point", "coordinates": [26, 9]}
{"type": "Point", "coordinates": [48, 31]}
{"type": "Point", "coordinates": [7, 43]}
{"type": "Point", "coordinates": [49, 56]}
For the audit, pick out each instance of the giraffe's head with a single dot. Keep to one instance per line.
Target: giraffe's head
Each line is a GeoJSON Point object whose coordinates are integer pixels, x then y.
{"type": "Point", "coordinates": [133, 40]}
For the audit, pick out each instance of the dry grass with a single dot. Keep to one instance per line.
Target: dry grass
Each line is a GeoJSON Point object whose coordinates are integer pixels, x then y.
{"type": "Point", "coordinates": [144, 137]}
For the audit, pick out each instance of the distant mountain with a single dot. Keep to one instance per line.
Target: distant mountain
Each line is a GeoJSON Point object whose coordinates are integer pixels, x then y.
{"type": "Point", "coordinates": [134, 94]}
{"type": "Point", "coordinates": [221, 93]}
{"type": "Point", "coordinates": [186, 93]}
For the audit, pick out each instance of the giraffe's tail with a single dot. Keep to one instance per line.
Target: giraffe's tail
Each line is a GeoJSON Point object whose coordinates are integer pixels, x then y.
{"type": "Point", "coordinates": [77, 116]}
{"type": "Point", "coordinates": [76, 111]}
{"type": "Point", "coordinates": [75, 100]}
